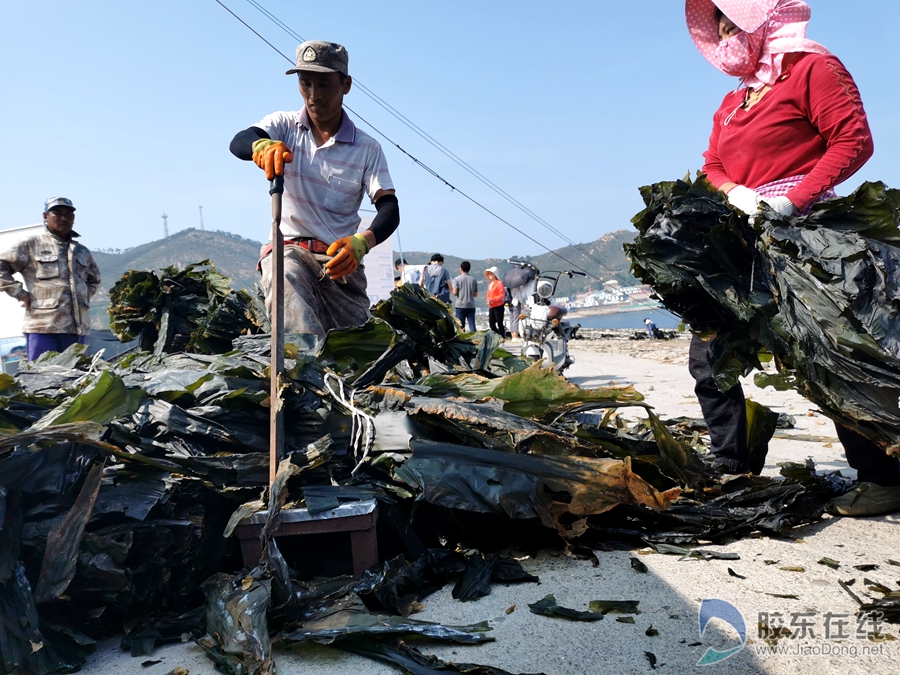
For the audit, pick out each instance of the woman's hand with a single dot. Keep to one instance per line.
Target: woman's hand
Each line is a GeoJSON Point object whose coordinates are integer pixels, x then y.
{"type": "Point", "coordinates": [745, 199]}
{"type": "Point", "coordinates": [782, 206]}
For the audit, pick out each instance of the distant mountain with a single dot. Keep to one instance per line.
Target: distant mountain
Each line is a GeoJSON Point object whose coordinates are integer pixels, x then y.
{"type": "Point", "coordinates": [236, 257]}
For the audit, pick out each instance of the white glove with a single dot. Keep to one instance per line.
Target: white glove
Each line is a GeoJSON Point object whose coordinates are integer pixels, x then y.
{"type": "Point", "coordinates": [782, 206]}
{"type": "Point", "coordinates": [744, 199]}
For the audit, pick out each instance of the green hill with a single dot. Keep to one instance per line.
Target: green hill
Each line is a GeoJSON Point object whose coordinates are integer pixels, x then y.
{"type": "Point", "coordinates": [236, 257]}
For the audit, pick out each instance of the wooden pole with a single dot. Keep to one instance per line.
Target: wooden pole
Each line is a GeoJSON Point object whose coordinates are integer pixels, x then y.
{"type": "Point", "coordinates": [276, 363]}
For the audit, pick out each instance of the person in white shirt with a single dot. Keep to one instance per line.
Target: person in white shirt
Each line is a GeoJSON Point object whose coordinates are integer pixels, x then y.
{"type": "Point", "coordinates": [328, 165]}
{"type": "Point", "coordinates": [408, 273]}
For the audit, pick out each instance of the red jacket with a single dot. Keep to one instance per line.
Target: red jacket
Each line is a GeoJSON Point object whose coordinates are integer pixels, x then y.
{"type": "Point", "coordinates": [495, 293]}
{"type": "Point", "coordinates": [811, 122]}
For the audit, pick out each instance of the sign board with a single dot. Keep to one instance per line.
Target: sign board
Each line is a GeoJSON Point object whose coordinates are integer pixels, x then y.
{"type": "Point", "coordinates": [11, 312]}
{"type": "Point", "coordinates": [379, 263]}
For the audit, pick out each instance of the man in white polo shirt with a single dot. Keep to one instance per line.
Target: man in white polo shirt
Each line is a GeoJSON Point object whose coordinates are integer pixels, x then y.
{"type": "Point", "coordinates": [327, 164]}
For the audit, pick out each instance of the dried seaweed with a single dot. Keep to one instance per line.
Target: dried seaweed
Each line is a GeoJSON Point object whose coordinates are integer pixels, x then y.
{"type": "Point", "coordinates": [193, 309]}
{"type": "Point", "coordinates": [615, 606]}
{"type": "Point", "coordinates": [348, 617]}
{"type": "Point", "coordinates": [238, 634]}
{"type": "Point", "coordinates": [60, 555]}
{"type": "Point", "coordinates": [548, 606]}
{"type": "Point", "coordinates": [458, 423]}
{"type": "Point", "coordinates": [819, 292]}
{"type": "Point", "coordinates": [411, 660]}
{"type": "Point", "coordinates": [525, 486]}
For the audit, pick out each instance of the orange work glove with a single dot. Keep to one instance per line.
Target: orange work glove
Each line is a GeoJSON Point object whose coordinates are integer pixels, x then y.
{"type": "Point", "coordinates": [348, 252]}
{"type": "Point", "coordinates": [271, 156]}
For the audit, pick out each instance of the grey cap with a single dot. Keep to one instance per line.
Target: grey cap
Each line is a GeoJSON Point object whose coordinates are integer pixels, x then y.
{"type": "Point", "coordinates": [321, 57]}
{"type": "Point", "coordinates": [57, 201]}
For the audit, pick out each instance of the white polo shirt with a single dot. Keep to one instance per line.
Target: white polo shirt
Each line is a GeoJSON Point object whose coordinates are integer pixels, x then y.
{"type": "Point", "coordinates": [323, 187]}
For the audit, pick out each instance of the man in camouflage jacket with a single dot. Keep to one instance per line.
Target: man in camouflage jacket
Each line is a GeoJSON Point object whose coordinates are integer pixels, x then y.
{"type": "Point", "coordinates": [60, 280]}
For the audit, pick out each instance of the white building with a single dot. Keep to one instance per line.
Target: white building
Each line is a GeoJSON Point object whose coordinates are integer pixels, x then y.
{"type": "Point", "coordinates": [11, 312]}
{"type": "Point", "coordinates": [379, 267]}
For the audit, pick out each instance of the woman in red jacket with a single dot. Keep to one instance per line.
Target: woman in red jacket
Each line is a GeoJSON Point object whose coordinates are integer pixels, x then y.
{"type": "Point", "coordinates": [495, 299]}
{"type": "Point", "coordinates": [793, 129]}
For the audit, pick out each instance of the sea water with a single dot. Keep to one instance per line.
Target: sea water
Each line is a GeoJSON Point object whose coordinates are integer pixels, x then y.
{"type": "Point", "coordinates": [663, 319]}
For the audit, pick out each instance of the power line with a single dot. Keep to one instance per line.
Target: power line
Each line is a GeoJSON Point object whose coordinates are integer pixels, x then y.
{"type": "Point", "coordinates": [436, 144]}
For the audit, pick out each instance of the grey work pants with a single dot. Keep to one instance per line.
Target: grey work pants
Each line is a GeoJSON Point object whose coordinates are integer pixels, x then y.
{"type": "Point", "coordinates": [514, 312]}
{"type": "Point", "coordinates": [313, 303]}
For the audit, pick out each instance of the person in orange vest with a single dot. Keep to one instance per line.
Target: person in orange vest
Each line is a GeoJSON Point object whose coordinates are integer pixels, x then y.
{"type": "Point", "coordinates": [495, 299]}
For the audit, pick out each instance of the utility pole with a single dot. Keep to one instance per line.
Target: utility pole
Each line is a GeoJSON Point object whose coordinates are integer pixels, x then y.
{"type": "Point", "coordinates": [201, 219]}
{"type": "Point", "coordinates": [165, 225]}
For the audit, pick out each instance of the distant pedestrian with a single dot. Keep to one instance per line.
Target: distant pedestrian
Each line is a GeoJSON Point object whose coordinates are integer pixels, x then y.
{"type": "Point", "coordinates": [495, 300]}
{"type": "Point", "coordinates": [465, 288]}
{"type": "Point", "coordinates": [436, 279]}
{"type": "Point", "coordinates": [60, 280]}
{"type": "Point", "coordinates": [520, 282]}
{"type": "Point", "coordinates": [407, 273]}
{"type": "Point", "coordinates": [651, 328]}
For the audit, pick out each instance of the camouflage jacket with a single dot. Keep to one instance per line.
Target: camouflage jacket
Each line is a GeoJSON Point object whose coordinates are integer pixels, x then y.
{"type": "Point", "coordinates": [60, 279]}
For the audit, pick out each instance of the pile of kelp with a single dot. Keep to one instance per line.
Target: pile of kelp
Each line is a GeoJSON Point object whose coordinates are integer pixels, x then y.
{"type": "Point", "coordinates": [119, 480]}
{"type": "Point", "coordinates": [820, 293]}
{"type": "Point", "coordinates": [190, 310]}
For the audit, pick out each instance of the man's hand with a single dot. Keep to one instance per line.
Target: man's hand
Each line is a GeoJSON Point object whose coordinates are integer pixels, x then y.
{"type": "Point", "coordinates": [745, 199]}
{"type": "Point", "coordinates": [271, 156]}
{"type": "Point", "coordinates": [348, 252]}
{"type": "Point", "coordinates": [26, 302]}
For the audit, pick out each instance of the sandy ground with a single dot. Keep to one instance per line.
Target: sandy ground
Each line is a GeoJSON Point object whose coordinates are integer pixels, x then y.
{"type": "Point", "coordinates": [671, 592]}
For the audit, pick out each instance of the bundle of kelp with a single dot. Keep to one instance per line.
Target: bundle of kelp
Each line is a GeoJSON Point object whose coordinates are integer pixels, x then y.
{"type": "Point", "coordinates": [820, 292]}
{"type": "Point", "coordinates": [191, 310]}
{"type": "Point", "coordinates": [117, 482]}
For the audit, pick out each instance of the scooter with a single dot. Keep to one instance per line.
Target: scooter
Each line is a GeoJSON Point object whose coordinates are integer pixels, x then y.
{"type": "Point", "coordinates": [545, 331]}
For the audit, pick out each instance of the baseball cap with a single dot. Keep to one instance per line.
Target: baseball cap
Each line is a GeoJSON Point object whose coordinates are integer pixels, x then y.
{"type": "Point", "coordinates": [57, 201]}
{"type": "Point", "coordinates": [321, 57]}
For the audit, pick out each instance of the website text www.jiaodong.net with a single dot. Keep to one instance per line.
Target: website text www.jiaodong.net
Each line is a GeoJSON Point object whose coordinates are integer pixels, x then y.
{"type": "Point", "coordinates": [851, 651]}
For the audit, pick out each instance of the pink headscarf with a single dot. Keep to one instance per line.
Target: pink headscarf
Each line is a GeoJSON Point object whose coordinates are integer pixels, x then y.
{"type": "Point", "coordinates": [769, 30]}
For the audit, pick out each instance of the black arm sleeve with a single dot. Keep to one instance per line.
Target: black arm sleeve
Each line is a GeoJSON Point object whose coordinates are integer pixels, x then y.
{"type": "Point", "coordinates": [242, 144]}
{"type": "Point", "coordinates": [387, 219]}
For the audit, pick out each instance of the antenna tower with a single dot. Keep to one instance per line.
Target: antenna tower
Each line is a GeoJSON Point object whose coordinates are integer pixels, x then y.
{"type": "Point", "coordinates": [165, 225]}
{"type": "Point", "coordinates": [201, 219]}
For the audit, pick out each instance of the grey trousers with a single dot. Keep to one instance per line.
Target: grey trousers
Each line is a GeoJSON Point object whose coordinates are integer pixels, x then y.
{"type": "Point", "coordinates": [313, 303]}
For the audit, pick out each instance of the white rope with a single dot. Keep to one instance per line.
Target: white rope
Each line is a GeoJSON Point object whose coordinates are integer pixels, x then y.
{"type": "Point", "coordinates": [92, 370]}
{"type": "Point", "coordinates": [362, 433]}
{"type": "Point", "coordinates": [752, 274]}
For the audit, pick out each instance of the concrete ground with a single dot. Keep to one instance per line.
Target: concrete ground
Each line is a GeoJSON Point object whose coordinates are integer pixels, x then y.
{"type": "Point", "coordinates": [671, 592]}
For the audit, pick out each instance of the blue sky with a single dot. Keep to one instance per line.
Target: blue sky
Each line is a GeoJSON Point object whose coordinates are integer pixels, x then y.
{"type": "Point", "coordinates": [128, 108]}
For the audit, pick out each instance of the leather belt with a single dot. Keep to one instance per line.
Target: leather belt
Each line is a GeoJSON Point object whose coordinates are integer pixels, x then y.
{"type": "Point", "coordinates": [311, 245]}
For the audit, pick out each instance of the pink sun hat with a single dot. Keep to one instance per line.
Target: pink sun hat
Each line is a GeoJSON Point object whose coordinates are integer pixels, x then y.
{"type": "Point", "coordinates": [771, 29]}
